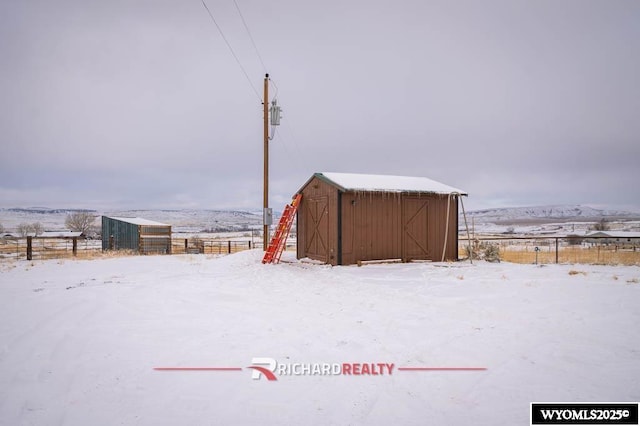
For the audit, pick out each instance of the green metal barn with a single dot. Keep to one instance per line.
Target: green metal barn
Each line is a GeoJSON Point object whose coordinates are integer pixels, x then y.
{"type": "Point", "coordinates": [134, 233]}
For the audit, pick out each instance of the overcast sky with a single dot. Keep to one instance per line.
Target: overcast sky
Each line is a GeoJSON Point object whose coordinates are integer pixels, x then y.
{"type": "Point", "coordinates": [140, 103]}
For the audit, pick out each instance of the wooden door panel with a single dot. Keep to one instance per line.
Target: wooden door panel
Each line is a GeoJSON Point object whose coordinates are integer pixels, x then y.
{"type": "Point", "coordinates": [415, 223]}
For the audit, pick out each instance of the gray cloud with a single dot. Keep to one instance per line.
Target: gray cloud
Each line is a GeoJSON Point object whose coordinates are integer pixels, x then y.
{"type": "Point", "coordinates": [140, 104]}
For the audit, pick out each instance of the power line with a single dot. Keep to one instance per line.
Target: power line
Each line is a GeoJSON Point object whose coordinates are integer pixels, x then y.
{"type": "Point", "coordinates": [246, 27]}
{"type": "Point", "coordinates": [255, 46]}
{"type": "Point", "coordinates": [290, 138]}
{"type": "Point", "coordinates": [231, 50]}
{"type": "Point", "coordinates": [275, 95]}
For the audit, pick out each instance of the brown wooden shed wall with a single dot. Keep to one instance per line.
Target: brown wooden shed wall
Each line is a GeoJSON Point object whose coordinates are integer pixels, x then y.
{"type": "Point", "coordinates": [370, 223]}
{"type": "Point", "coordinates": [342, 228]}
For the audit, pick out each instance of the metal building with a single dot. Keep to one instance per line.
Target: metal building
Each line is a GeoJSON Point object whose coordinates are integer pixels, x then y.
{"type": "Point", "coordinates": [347, 218]}
{"type": "Point", "coordinates": [134, 233]}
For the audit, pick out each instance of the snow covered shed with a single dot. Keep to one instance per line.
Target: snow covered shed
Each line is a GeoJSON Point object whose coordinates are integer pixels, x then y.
{"type": "Point", "coordinates": [346, 218]}
{"type": "Point", "coordinates": [134, 233]}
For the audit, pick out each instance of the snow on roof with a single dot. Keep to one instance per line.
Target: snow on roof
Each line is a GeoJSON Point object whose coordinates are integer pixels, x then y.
{"type": "Point", "coordinates": [387, 183]}
{"type": "Point", "coordinates": [139, 221]}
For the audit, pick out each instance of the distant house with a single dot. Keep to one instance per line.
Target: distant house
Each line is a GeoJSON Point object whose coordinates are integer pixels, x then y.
{"type": "Point", "coordinates": [613, 237]}
{"type": "Point", "coordinates": [61, 234]}
{"type": "Point", "coordinates": [134, 233]}
{"type": "Point", "coordinates": [346, 218]}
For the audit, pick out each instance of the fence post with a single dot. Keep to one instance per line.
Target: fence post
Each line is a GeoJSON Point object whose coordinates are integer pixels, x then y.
{"type": "Point", "coordinates": [556, 250]}
{"type": "Point", "coordinates": [75, 246]}
{"type": "Point", "coordinates": [229, 245]}
{"type": "Point", "coordinates": [29, 248]}
{"type": "Point", "coordinates": [186, 245]}
{"type": "Point", "coordinates": [250, 244]}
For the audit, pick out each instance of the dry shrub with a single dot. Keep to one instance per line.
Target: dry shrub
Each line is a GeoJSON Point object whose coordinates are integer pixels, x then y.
{"type": "Point", "coordinates": [484, 251]}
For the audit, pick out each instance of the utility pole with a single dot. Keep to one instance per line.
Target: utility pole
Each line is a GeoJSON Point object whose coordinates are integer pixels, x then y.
{"type": "Point", "coordinates": [266, 216]}
{"type": "Point", "coordinates": [275, 112]}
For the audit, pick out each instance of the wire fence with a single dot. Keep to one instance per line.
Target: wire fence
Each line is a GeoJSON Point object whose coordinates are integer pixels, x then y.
{"type": "Point", "coordinates": [48, 248]}
{"type": "Point", "coordinates": [43, 248]}
{"type": "Point", "coordinates": [541, 250]}
{"type": "Point", "coordinates": [212, 246]}
{"type": "Point", "coordinates": [545, 250]}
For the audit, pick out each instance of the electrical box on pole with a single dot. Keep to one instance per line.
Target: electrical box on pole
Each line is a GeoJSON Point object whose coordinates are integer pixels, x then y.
{"type": "Point", "coordinates": [275, 111]}
{"type": "Point", "coordinates": [267, 218]}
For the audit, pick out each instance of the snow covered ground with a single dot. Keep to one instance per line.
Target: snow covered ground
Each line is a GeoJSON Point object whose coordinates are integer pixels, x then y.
{"type": "Point", "coordinates": [79, 340]}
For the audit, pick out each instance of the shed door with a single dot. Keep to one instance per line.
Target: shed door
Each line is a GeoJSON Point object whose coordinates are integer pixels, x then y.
{"type": "Point", "coordinates": [415, 223]}
{"type": "Point", "coordinates": [316, 224]}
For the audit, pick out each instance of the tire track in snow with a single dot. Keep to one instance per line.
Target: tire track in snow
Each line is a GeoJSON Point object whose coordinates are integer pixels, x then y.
{"type": "Point", "coordinates": [45, 366]}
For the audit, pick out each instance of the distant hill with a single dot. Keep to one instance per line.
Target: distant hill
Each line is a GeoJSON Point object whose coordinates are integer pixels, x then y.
{"type": "Point", "coordinates": [192, 221]}
{"type": "Point", "coordinates": [197, 220]}
{"type": "Point", "coordinates": [548, 214]}
{"type": "Point", "coordinates": [44, 210]}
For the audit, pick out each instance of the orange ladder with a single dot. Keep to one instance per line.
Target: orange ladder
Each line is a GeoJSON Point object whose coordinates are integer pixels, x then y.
{"type": "Point", "coordinates": [279, 239]}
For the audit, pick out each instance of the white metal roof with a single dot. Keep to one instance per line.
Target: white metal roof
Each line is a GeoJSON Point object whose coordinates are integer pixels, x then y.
{"type": "Point", "coordinates": [388, 183]}
{"type": "Point", "coordinates": [139, 221]}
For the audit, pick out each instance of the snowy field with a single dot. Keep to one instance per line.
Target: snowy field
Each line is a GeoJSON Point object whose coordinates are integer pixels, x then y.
{"type": "Point", "coordinates": [80, 340]}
